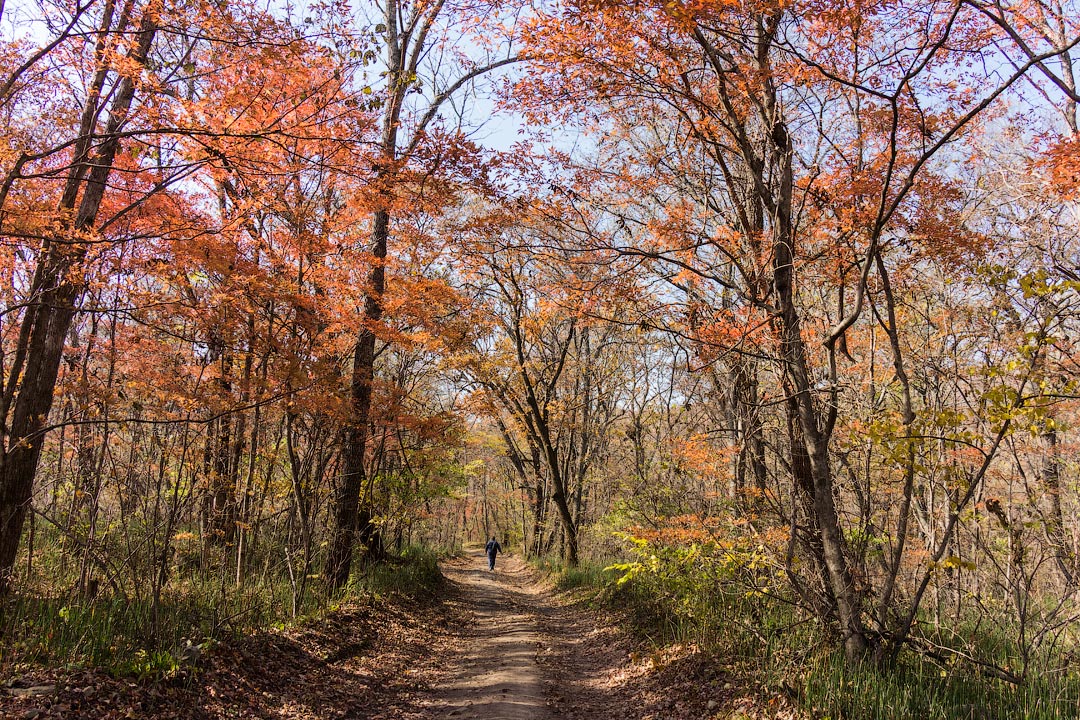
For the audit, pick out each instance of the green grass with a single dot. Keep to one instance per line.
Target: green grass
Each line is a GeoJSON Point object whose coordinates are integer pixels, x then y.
{"type": "Point", "coordinates": [916, 688]}
{"type": "Point", "coordinates": [589, 574]}
{"type": "Point", "coordinates": [129, 637]}
{"type": "Point", "coordinates": [415, 573]}
{"type": "Point", "coordinates": [115, 634]}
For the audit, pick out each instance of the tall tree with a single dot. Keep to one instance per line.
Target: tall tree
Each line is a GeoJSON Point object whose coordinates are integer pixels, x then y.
{"type": "Point", "coordinates": [109, 172]}
{"type": "Point", "coordinates": [408, 147]}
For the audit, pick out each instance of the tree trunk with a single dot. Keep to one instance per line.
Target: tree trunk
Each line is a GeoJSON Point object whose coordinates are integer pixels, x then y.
{"type": "Point", "coordinates": [815, 433]}
{"type": "Point", "coordinates": [793, 350]}
{"type": "Point", "coordinates": [745, 412]}
{"type": "Point", "coordinates": [1055, 519]}
{"type": "Point", "coordinates": [58, 284]}
{"type": "Point", "coordinates": [350, 521]}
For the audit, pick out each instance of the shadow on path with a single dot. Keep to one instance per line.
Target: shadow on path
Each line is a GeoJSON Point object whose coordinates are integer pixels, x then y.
{"type": "Point", "coordinates": [493, 674]}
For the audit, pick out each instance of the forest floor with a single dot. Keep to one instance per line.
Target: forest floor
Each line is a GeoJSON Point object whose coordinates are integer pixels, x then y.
{"type": "Point", "coordinates": [497, 646]}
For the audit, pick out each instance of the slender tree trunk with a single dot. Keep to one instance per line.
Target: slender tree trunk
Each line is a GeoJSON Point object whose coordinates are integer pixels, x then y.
{"type": "Point", "coordinates": [1055, 520]}
{"type": "Point", "coordinates": [814, 432]}
{"type": "Point", "coordinates": [841, 583]}
{"type": "Point", "coordinates": [220, 468]}
{"type": "Point", "coordinates": [805, 526]}
{"type": "Point", "coordinates": [904, 512]}
{"type": "Point", "coordinates": [352, 516]}
{"type": "Point", "coordinates": [406, 38]}
{"type": "Point", "coordinates": [560, 493]}
{"type": "Point", "coordinates": [750, 469]}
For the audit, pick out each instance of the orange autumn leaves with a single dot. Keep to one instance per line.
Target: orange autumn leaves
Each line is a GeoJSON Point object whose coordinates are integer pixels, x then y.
{"type": "Point", "coordinates": [1063, 162]}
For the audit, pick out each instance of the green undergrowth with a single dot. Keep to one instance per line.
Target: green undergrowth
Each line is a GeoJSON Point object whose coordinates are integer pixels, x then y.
{"type": "Point", "coordinates": [725, 603]}
{"type": "Point", "coordinates": [414, 573]}
{"type": "Point", "coordinates": [591, 575]}
{"type": "Point", "coordinates": [916, 688]}
{"type": "Point", "coordinates": [130, 635]}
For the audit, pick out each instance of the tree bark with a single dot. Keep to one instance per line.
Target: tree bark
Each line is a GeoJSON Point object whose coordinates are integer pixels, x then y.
{"type": "Point", "coordinates": [351, 520]}
{"type": "Point", "coordinates": [793, 353]}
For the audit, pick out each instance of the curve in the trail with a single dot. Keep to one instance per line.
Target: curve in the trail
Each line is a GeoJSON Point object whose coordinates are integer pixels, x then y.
{"type": "Point", "coordinates": [493, 675]}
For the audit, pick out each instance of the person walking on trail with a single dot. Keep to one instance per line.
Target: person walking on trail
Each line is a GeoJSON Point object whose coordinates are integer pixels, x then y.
{"type": "Point", "coordinates": [492, 549]}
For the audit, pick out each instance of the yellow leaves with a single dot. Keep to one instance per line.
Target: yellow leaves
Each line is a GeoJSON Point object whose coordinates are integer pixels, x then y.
{"type": "Point", "coordinates": [1036, 284]}
{"type": "Point", "coordinates": [627, 572]}
{"type": "Point", "coordinates": [950, 563]}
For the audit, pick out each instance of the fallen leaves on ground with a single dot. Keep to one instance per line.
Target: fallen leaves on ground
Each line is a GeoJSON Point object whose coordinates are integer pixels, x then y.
{"type": "Point", "coordinates": [366, 660]}
{"type": "Point", "coordinates": [597, 668]}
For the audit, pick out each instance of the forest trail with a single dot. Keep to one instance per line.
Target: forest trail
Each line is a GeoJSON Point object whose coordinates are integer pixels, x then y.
{"type": "Point", "coordinates": [492, 671]}
{"type": "Point", "coordinates": [498, 646]}
{"type": "Point", "coordinates": [523, 651]}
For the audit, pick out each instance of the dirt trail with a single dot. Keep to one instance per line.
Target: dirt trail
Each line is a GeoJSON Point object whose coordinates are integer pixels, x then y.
{"type": "Point", "coordinates": [526, 652]}
{"type": "Point", "coordinates": [493, 673]}
{"type": "Point", "coordinates": [497, 646]}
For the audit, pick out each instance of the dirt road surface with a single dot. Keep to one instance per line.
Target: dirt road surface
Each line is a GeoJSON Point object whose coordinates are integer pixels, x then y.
{"type": "Point", "coordinates": [527, 652]}
{"type": "Point", "coordinates": [493, 672]}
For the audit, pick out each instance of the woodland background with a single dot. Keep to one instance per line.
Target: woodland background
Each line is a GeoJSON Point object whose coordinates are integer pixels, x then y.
{"type": "Point", "coordinates": [769, 307]}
